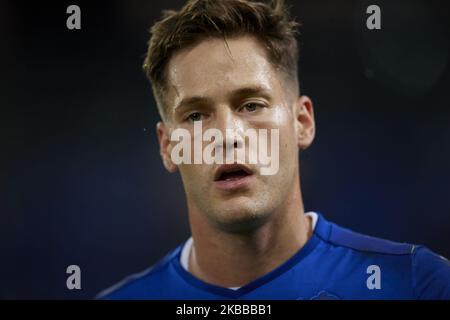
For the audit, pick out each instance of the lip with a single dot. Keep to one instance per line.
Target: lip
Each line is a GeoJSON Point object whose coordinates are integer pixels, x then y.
{"type": "Point", "coordinates": [229, 185]}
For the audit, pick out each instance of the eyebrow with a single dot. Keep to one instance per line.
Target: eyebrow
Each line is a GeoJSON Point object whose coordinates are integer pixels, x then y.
{"type": "Point", "coordinates": [241, 92]}
{"type": "Point", "coordinates": [192, 101]}
{"type": "Point", "coordinates": [250, 91]}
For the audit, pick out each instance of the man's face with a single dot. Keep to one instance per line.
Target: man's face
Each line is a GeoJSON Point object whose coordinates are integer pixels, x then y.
{"type": "Point", "coordinates": [234, 86]}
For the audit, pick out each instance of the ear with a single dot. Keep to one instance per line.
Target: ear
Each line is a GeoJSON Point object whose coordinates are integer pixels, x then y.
{"type": "Point", "coordinates": [305, 124]}
{"type": "Point", "coordinates": [164, 146]}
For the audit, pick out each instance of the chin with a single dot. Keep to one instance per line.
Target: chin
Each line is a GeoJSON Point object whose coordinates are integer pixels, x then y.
{"type": "Point", "coordinates": [237, 216]}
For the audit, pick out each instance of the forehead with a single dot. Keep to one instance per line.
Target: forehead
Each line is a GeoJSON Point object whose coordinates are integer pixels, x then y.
{"type": "Point", "coordinates": [214, 67]}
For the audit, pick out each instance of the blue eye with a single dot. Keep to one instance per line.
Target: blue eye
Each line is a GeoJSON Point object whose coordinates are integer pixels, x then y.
{"type": "Point", "coordinates": [196, 116]}
{"type": "Point", "coordinates": [251, 107]}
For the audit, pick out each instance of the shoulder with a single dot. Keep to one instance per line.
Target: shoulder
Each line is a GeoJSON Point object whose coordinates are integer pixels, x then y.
{"type": "Point", "coordinates": [345, 238]}
{"type": "Point", "coordinates": [431, 274]}
{"type": "Point", "coordinates": [139, 284]}
{"type": "Point", "coordinates": [425, 273]}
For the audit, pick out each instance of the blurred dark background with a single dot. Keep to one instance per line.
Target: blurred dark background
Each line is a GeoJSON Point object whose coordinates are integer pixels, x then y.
{"type": "Point", "coordinates": [81, 180]}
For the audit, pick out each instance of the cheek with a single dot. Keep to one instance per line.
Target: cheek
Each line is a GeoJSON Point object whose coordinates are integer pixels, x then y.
{"type": "Point", "coordinates": [281, 116]}
{"type": "Point", "coordinates": [283, 121]}
{"type": "Point", "coordinates": [194, 176]}
{"type": "Point", "coordinates": [288, 151]}
{"type": "Point", "coordinates": [188, 172]}
{"type": "Point", "coordinates": [278, 117]}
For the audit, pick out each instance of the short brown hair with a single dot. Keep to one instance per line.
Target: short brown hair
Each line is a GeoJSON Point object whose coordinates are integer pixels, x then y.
{"type": "Point", "coordinates": [198, 20]}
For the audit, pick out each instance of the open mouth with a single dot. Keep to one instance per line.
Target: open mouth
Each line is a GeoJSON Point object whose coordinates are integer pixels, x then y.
{"type": "Point", "coordinates": [232, 172]}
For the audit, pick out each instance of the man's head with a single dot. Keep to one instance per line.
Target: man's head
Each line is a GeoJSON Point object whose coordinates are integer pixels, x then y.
{"type": "Point", "coordinates": [199, 20]}
{"type": "Point", "coordinates": [231, 64]}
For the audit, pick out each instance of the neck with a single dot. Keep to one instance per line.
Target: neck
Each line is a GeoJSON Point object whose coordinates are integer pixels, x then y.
{"type": "Point", "coordinates": [233, 260]}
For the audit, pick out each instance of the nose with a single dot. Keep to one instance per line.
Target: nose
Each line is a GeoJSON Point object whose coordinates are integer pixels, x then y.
{"type": "Point", "coordinates": [232, 128]}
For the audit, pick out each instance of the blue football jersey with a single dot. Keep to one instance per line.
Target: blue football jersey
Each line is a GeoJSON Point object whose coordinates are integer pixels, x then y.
{"type": "Point", "coordinates": [335, 263]}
